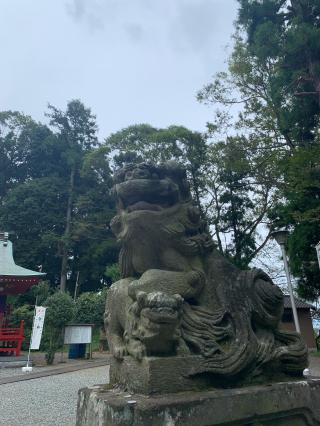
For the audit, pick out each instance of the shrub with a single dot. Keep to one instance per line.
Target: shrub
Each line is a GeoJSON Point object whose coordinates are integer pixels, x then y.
{"type": "Point", "coordinates": [60, 311]}
{"type": "Point", "coordinates": [24, 312]}
{"type": "Point", "coordinates": [89, 308]}
{"type": "Point", "coordinates": [41, 292]}
{"type": "Point", "coordinates": [113, 272]}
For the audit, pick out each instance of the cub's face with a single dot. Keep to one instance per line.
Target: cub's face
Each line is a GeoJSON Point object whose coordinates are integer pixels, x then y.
{"type": "Point", "coordinates": [159, 322]}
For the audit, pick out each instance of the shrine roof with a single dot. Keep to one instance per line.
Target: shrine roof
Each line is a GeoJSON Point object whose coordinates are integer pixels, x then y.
{"type": "Point", "coordinates": [8, 268]}
{"type": "Point", "coordinates": [300, 304]}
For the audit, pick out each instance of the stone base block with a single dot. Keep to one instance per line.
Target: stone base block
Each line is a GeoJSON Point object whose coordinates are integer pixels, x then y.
{"type": "Point", "coordinates": [155, 375]}
{"type": "Point", "coordinates": [288, 403]}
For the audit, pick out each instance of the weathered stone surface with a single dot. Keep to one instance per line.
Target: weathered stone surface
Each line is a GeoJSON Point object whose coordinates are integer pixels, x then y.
{"type": "Point", "coordinates": [280, 404]}
{"type": "Point", "coordinates": [179, 297]}
{"type": "Point", "coordinates": [156, 375]}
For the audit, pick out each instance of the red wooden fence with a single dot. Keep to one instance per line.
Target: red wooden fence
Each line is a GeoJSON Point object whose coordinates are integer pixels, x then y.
{"type": "Point", "coordinates": [11, 339]}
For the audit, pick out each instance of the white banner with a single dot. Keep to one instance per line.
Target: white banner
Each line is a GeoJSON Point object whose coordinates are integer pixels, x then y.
{"type": "Point", "coordinates": [318, 252]}
{"type": "Point", "coordinates": [37, 327]}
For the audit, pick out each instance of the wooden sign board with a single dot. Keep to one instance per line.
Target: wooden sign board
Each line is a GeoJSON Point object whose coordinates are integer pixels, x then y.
{"type": "Point", "coordinates": [77, 334]}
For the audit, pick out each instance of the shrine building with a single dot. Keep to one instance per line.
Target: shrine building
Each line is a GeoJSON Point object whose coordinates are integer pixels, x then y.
{"type": "Point", "coordinates": [14, 280]}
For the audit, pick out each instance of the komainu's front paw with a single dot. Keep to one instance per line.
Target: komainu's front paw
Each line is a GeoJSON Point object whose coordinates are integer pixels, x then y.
{"type": "Point", "coordinates": [119, 351]}
{"type": "Point", "coordinates": [137, 350]}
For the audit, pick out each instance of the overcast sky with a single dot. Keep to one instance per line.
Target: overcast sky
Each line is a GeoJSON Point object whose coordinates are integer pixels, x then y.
{"type": "Point", "coordinates": [130, 61]}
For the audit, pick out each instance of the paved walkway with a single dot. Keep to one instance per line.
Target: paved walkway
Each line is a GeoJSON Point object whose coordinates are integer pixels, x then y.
{"type": "Point", "coordinates": [47, 401]}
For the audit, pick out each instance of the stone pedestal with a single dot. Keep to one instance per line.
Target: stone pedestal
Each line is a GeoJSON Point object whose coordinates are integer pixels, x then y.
{"type": "Point", "coordinates": [288, 403]}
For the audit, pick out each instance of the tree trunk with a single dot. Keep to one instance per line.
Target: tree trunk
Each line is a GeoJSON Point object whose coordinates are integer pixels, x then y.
{"type": "Point", "coordinates": [300, 8]}
{"type": "Point", "coordinates": [196, 189]}
{"type": "Point", "coordinates": [66, 235]}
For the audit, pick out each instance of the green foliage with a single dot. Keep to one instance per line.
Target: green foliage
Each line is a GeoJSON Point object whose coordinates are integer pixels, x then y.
{"type": "Point", "coordinates": [34, 210]}
{"type": "Point", "coordinates": [240, 195]}
{"type": "Point", "coordinates": [60, 311]}
{"type": "Point", "coordinates": [90, 307]}
{"type": "Point", "coordinates": [283, 47]}
{"type": "Point", "coordinates": [36, 294]}
{"type": "Point", "coordinates": [274, 74]}
{"type": "Point", "coordinates": [36, 163]}
{"type": "Point", "coordinates": [24, 312]}
{"type": "Point", "coordinates": [301, 210]}
{"type": "Point", "coordinates": [92, 241]}
{"type": "Point", "coordinates": [113, 272]}
{"type": "Point", "coordinates": [27, 150]}
{"type": "Point", "coordinates": [39, 293]}
{"type": "Point", "coordinates": [77, 126]}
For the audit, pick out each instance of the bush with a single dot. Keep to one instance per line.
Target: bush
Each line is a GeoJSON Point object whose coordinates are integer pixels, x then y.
{"type": "Point", "coordinates": [60, 311]}
{"type": "Point", "coordinates": [40, 292]}
{"type": "Point", "coordinates": [24, 312]}
{"type": "Point", "coordinates": [89, 308]}
{"type": "Point", "coordinates": [113, 272]}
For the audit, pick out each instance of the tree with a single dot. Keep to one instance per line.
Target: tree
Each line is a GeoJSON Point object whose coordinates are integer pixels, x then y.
{"type": "Point", "coordinates": [292, 29]}
{"type": "Point", "coordinates": [274, 74]}
{"type": "Point", "coordinates": [295, 28]}
{"type": "Point", "coordinates": [60, 311]}
{"type": "Point", "coordinates": [274, 63]}
{"type": "Point", "coordinates": [300, 209]}
{"type": "Point", "coordinates": [93, 244]}
{"type": "Point", "coordinates": [27, 150]}
{"type": "Point", "coordinates": [231, 200]}
{"type": "Point", "coordinates": [239, 196]}
{"type": "Point", "coordinates": [77, 128]}
{"type": "Point", "coordinates": [36, 202]}
{"type": "Point", "coordinates": [90, 307]}
{"type": "Point", "coordinates": [34, 210]}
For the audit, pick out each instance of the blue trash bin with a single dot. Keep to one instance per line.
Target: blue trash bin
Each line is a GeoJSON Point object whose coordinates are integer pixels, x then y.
{"type": "Point", "coordinates": [82, 350]}
{"type": "Point", "coordinates": [73, 351]}
{"type": "Point", "coordinates": [77, 351]}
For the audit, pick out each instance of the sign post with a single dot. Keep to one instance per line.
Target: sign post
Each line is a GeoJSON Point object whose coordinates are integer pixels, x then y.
{"type": "Point", "coordinates": [318, 252]}
{"type": "Point", "coordinates": [281, 237]}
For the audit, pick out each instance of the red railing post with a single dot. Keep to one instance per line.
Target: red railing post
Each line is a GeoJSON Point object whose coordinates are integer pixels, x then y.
{"type": "Point", "coordinates": [19, 342]}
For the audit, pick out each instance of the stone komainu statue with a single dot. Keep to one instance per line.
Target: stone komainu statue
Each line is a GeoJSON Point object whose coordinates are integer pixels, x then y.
{"type": "Point", "coordinates": [179, 296]}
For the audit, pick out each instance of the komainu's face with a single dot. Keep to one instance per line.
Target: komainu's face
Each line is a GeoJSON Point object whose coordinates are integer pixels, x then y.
{"type": "Point", "coordinates": [149, 187]}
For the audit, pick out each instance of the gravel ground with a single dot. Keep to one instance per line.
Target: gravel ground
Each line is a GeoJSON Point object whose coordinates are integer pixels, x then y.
{"type": "Point", "coordinates": [48, 401]}
{"type": "Point", "coordinates": [10, 372]}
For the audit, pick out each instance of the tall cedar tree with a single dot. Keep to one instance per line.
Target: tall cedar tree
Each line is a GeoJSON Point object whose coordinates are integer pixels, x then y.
{"type": "Point", "coordinates": [274, 72]}
{"type": "Point", "coordinates": [77, 128]}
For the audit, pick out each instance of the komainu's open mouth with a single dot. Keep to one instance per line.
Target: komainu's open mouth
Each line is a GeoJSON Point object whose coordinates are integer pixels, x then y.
{"type": "Point", "coordinates": [146, 194]}
{"type": "Point", "coordinates": [150, 187]}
